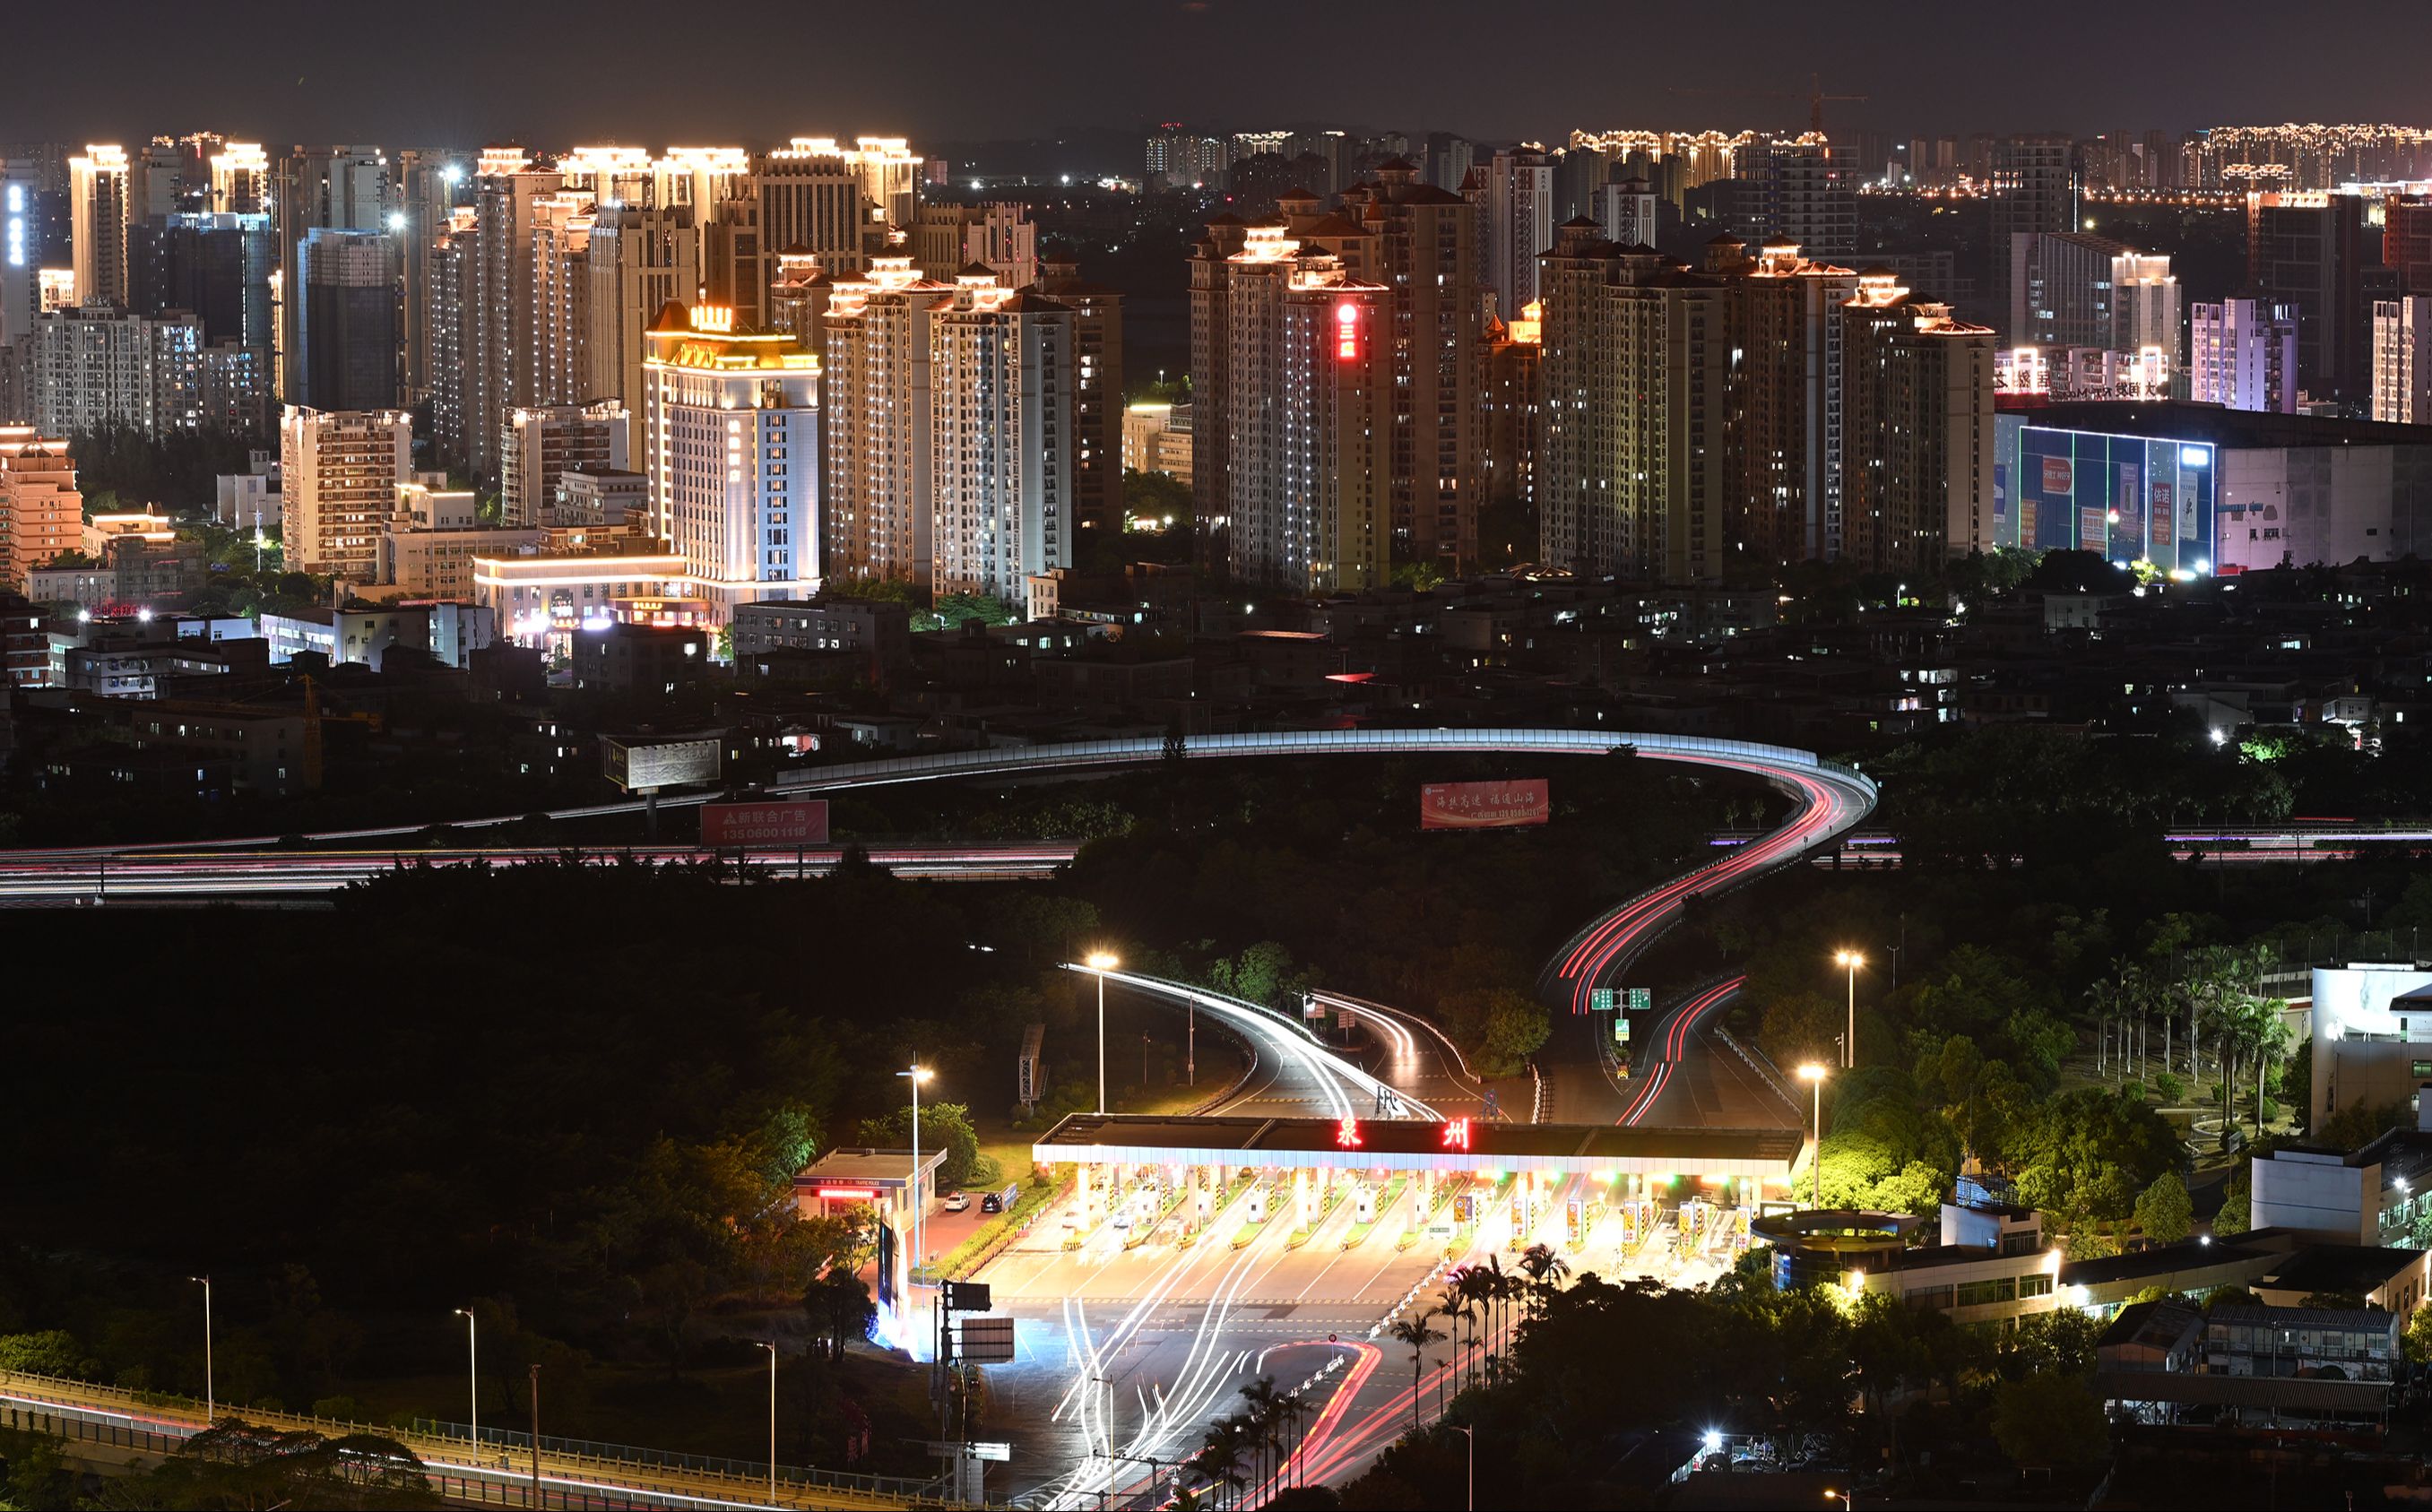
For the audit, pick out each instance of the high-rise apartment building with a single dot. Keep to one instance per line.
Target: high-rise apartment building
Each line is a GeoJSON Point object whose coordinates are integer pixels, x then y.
{"type": "Point", "coordinates": [20, 257]}
{"type": "Point", "coordinates": [2402, 360]}
{"type": "Point", "coordinates": [1634, 471]}
{"type": "Point", "coordinates": [1097, 391]}
{"type": "Point", "coordinates": [1921, 437]}
{"type": "Point", "coordinates": [98, 366]}
{"type": "Point", "coordinates": [1307, 377]}
{"type": "Point", "coordinates": [1625, 210]}
{"type": "Point", "coordinates": [1513, 400]}
{"type": "Point", "coordinates": [41, 515]}
{"type": "Point", "coordinates": [947, 238]}
{"type": "Point", "coordinates": [240, 181]}
{"type": "Point", "coordinates": [339, 472]}
{"type": "Point", "coordinates": [428, 183]}
{"type": "Point", "coordinates": [1423, 244]}
{"type": "Point", "coordinates": [1788, 408]}
{"type": "Point", "coordinates": [562, 228]}
{"type": "Point", "coordinates": [2075, 289]}
{"type": "Point", "coordinates": [331, 189]}
{"type": "Point", "coordinates": [217, 265]}
{"type": "Point", "coordinates": [639, 259]}
{"type": "Point", "coordinates": [98, 216]}
{"type": "Point", "coordinates": [2310, 251]}
{"type": "Point", "coordinates": [2244, 354]}
{"type": "Point", "coordinates": [452, 288]}
{"type": "Point", "coordinates": [1175, 157]}
{"type": "Point", "coordinates": [504, 368]}
{"type": "Point", "coordinates": [1519, 211]}
{"type": "Point", "coordinates": [1002, 376]}
{"type": "Point", "coordinates": [1805, 192]}
{"type": "Point", "coordinates": [542, 442]}
{"type": "Point", "coordinates": [2034, 192]}
{"type": "Point", "coordinates": [346, 327]}
{"type": "Point", "coordinates": [876, 379]}
{"type": "Point", "coordinates": [731, 450]}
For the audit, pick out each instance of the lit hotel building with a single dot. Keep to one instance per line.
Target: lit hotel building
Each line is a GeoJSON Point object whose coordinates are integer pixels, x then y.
{"type": "Point", "coordinates": [2402, 360]}
{"type": "Point", "coordinates": [731, 450]}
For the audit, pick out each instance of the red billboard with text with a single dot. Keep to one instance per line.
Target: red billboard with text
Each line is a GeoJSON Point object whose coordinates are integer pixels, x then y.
{"type": "Point", "coordinates": [750, 826]}
{"type": "Point", "coordinates": [1483, 805]}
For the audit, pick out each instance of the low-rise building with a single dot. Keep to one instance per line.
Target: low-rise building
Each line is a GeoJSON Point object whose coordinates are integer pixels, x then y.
{"type": "Point", "coordinates": [450, 631]}
{"type": "Point", "coordinates": [639, 657]}
{"type": "Point", "coordinates": [878, 630]}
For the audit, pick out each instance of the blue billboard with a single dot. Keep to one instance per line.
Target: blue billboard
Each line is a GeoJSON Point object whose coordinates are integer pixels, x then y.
{"type": "Point", "coordinates": [2128, 498]}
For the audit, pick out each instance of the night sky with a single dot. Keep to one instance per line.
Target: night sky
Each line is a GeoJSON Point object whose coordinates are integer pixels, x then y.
{"type": "Point", "coordinates": [451, 73]}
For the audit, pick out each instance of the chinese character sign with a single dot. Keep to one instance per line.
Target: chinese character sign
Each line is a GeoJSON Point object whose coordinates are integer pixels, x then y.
{"type": "Point", "coordinates": [1346, 1136]}
{"type": "Point", "coordinates": [1455, 1133]}
{"type": "Point", "coordinates": [1483, 805]}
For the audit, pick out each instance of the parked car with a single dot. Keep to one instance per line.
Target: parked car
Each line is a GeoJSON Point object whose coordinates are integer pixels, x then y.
{"type": "Point", "coordinates": [991, 1203]}
{"type": "Point", "coordinates": [958, 1202]}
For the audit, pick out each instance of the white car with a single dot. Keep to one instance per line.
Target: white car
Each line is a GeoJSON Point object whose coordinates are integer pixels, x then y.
{"type": "Point", "coordinates": [958, 1202]}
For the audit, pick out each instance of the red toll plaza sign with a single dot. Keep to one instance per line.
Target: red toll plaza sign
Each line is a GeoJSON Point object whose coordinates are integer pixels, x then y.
{"type": "Point", "coordinates": [748, 826]}
{"type": "Point", "coordinates": [1483, 805]}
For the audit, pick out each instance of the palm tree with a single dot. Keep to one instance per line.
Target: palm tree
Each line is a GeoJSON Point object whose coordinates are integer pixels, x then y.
{"type": "Point", "coordinates": [1415, 1333]}
{"type": "Point", "coordinates": [1220, 1455]}
{"type": "Point", "coordinates": [2136, 993]}
{"type": "Point", "coordinates": [1258, 1415]}
{"type": "Point", "coordinates": [1499, 1290]}
{"type": "Point", "coordinates": [1293, 1410]}
{"type": "Point", "coordinates": [1478, 1291]}
{"type": "Point", "coordinates": [2104, 997]}
{"type": "Point", "coordinates": [1543, 1267]}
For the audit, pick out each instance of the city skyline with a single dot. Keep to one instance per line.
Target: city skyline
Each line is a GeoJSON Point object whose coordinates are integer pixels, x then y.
{"type": "Point", "coordinates": [1969, 73]}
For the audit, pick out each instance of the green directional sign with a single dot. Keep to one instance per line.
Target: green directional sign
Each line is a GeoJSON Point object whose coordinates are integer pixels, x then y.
{"type": "Point", "coordinates": [1600, 1000]}
{"type": "Point", "coordinates": [1638, 999]}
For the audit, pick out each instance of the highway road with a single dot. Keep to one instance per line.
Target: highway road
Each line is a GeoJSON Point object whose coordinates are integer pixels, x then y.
{"type": "Point", "coordinates": [84, 878]}
{"type": "Point", "coordinates": [503, 1468]}
{"type": "Point", "coordinates": [1828, 801]}
{"type": "Point", "coordinates": [1134, 1345]}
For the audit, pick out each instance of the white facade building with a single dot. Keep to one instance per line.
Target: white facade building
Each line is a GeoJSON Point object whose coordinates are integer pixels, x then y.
{"type": "Point", "coordinates": [2402, 360]}
{"type": "Point", "coordinates": [731, 449]}
{"type": "Point", "coordinates": [1519, 224]}
{"type": "Point", "coordinates": [1001, 384]}
{"type": "Point", "coordinates": [2242, 354]}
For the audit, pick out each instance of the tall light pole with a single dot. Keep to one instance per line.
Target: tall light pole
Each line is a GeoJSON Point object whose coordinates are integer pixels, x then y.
{"type": "Point", "coordinates": [1849, 1046]}
{"type": "Point", "coordinates": [473, 1355]}
{"type": "Point", "coordinates": [917, 1075]}
{"type": "Point", "coordinates": [210, 1397]}
{"type": "Point", "coordinates": [1470, 1433]}
{"type": "Point", "coordinates": [1101, 962]}
{"type": "Point", "coordinates": [1814, 1072]}
{"type": "Point", "coordinates": [772, 1410]}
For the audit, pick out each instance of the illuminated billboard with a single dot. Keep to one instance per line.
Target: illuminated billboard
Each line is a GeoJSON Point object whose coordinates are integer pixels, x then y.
{"type": "Point", "coordinates": [1483, 805]}
{"type": "Point", "coordinates": [2128, 498]}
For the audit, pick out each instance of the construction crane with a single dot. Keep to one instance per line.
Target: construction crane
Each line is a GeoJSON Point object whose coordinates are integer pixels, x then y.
{"type": "Point", "coordinates": [1815, 98]}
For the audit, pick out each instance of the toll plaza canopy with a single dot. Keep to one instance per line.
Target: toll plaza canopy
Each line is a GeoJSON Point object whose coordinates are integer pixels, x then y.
{"type": "Point", "coordinates": [1474, 1146]}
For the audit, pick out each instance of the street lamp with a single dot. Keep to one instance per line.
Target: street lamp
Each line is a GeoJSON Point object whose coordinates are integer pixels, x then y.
{"type": "Point", "coordinates": [1101, 962]}
{"type": "Point", "coordinates": [210, 1398]}
{"type": "Point", "coordinates": [772, 1411]}
{"type": "Point", "coordinates": [473, 1353]}
{"type": "Point", "coordinates": [917, 1075]}
{"type": "Point", "coordinates": [1814, 1072]}
{"type": "Point", "coordinates": [1849, 1046]}
{"type": "Point", "coordinates": [1470, 1433]}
